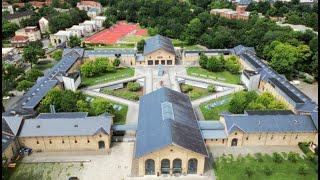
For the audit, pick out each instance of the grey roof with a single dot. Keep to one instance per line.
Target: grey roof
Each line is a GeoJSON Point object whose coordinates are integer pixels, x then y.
{"type": "Point", "coordinates": [180, 128]}
{"type": "Point", "coordinates": [38, 91]}
{"type": "Point", "coordinates": [314, 117]}
{"type": "Point", "coordinates": [6, 140]}
{"type": "Point", "coordinates": [11, 124]}
{"type": "Point", "coordinates": [124, 127]}
{"type": "Point", "coordinates": [158, 42]}
{"type": "Point", "coordinates": [213, 125]}
{"type": "Point", "coordinates": [66, 126]}
{"type": "Point", "coordinates": [269, 123]}
{"type": "Point", "coordinates": [244, 2]}
{"type": "Point", "coordinates": [109, 52]}
{"type": "Point", "coordinates": [214, 134]}
{"type": "Point", "coordinates": [62, 115]}
{"type": "Point", "coordinates": [140, 58]}
{"type": "Point", "coordinates": [286, 90]}
{"type": "Point", "coordinates": [268, 112]}
{"type": "Point", "coordinates": [16, 15]}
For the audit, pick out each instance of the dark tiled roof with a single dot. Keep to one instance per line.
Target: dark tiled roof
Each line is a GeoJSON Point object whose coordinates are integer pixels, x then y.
{"type": "Point", "coordinates": [166, 117]}
{"type": "Point", "coordinates": [11, 124]}
{"type": "Point", "coordinates": [269, 123]}
{"type": "Point", "coordinates": [6, 140]}
{"type": "Point", "coordinates": [284, 89]}
{"type": "Point", "coordinates": [158, 42]}
{"type": "Point", "coordinates": [268, 112]}
{"type": "Point", "coordinates": [251, 61]}
{"type": "Point", "coordinates": [62, 115]}
{"type": "Point", "coordinates": [19, 14]}
{"type": "Point", "coordinates": [314, 117]}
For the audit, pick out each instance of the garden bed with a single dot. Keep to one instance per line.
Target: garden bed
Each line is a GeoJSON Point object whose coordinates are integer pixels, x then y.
{"type": "Point", "coordinates": [196, 92]}
{"type": "Point", "coordinates": [226, 167]}
{"type": "Point", "coordinates": [213, 108]}
{"type": "Point", "coordinates": [125, 93]}
{"type": "Point", "coordinates": [224, 76]}
{"type": "Point", "coordinates": [119, 73]}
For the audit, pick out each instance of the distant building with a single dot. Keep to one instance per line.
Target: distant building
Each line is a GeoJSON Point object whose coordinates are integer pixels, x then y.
{"type": "Point", "coordinates": [77, 30]}
{"type": "Point", "coordinates": [44, 25]}
{"type": "Point", "coordinates": [90, 26]}
{"type": "Point", "coordinates": [32, 32]}
{"type": "Point", "coordinates": [239, 14]}
{"type": "Point", "coordinates": [19, 41]}
{"type": "Point", "coordinates": [99, 20]}
{"type": "Point", "coordinates": [7, 7]}
{"type": "Point", "coordinates": [296, 27]}
{"type": "Point", "coordinates": [71, 81]}
{"type": "Point", "coordinates": [60, 37]}
{"type": "Point", "coordinates": [18, 16]}
{"type": "Point", "coordinates": [11, 56]}
{"type": "Point", "coordinates": [250, 79]}
{"type": "Point", "coordinates": [87, 5]}
{"type": "Point", "coordinates": [93, 12]}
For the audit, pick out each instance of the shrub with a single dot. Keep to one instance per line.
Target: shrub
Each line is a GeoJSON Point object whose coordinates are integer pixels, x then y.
{"type": "Point", "coordinates": [33, 74]}
{"type": "Point", "coordinates": [24, 85]}
{"type": "Point", "coordinates": [303, 169]}
{"type": "Point", "coordinates": [249, 171]}
{"type": "Point", "coordinates": [116, 62]}
{"type": "Point", "coordinates": [133, 86]}
{"type": "Point", "coordinates": [267, 170]}
{"type": "Point", "coordinates": [304, 146]}
{"type": "Point", "coordinates": [277, 158]}
{"type": "Point", "coordinates": [293, 157]}
{"type": "Point", "coordinates": [195, 94]}
{"type": "Point", "coordinates": [211, 88]}
{"type": "Point", "coordinates": [186, 88]}
{"type": "Point", "coordinates": [259, 157]}
{"type": "Point", "coordinates": [100, 106]}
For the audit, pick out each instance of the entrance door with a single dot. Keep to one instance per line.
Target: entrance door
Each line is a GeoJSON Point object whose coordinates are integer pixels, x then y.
{"type": "Point", "coordinates": [165, 166]}
{"type": "Point", "coordinates": [149, 167]}
{"type": "Point", "coordinates": [234, 142]}
{"type": "Point", "coordinates": [150, 62]}
{"type": "Point", "coordinates": [101, 144]}
{"type": "Point", "coordinates": [192, 166]}
{"type": "Point", "coordinates": [163, 62]}
{"type": "Point", "coordinates": [177, 166]}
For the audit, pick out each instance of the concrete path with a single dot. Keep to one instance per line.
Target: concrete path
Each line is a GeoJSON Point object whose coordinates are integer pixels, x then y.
{"type": "Point", "coordinates": [208, 81]}
{"type": "Point", "coordinates": [115, 82]}
{"type": "Point", "coordinates": [133, 113]}
{"type": "Point", "coordinates": [106, 96]}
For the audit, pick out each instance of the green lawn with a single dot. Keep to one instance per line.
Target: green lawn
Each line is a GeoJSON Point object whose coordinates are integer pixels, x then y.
{"type": "Point", "coordinates": [196, 92]}
{"type": "Point", "coordinates": [213, 114]}
{"type": "Point", "coordinates": [223, 76]}
{"type": "Point", "coordinates": [125, 93]}
{"type": "Point", "coordinates": [133, 38]}
{"type": "Point", "coordinates": [43, 65]}
{"type": "Point", "coordinates": [48, 171]}
{"type": "Point", "coordinates": [128, 45]}
{"type": "Point", "coordinates": [120, 73]}
{"type": "Point", "coordinates": [228, 168]}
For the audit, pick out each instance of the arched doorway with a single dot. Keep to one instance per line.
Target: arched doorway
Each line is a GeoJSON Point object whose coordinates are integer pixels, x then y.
{"type": "Point", "coordinates": [234, 142]}
{"type": "Point", "coordinates": [177, 163]}
{"type": "Point", "coordinates": [165, 166]}
{"type": "Point", "coordinates": [149, 167]}
{"type": "Point", "coordinates": [192, 166]}
{"type": "Point", "coordinates": [101, 144]}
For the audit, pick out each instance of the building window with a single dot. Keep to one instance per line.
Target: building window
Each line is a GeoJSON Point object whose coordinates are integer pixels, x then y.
{"type": "Point", "coordinates": [211, 139]}
{"type": "Point", "coordinates": [297, 137]}
{"type": "Point", "coordinates": [75, 141]}
{"type": "Point", "coordinates": [100, 135]}
{"type": "Point", "coordinates": [62, 141]}
{"type": "Point", "coordinates": [50, 142]}
{"type": "Point", "coordinates": [37, 142]}
{"type": "Point", "coordinates": [88, 141]}
{"type": "Point", "coordinates": [169, 62]}
{"type": "Point", "coordinates": [235, 133]}
{"type": "Point", "coordinates": [222, 141]}
{"type": "Point", "coordinates": [171, 150]}
{"type": "Point", "coordinates": [247, 138]}
{"type": "Point", "coordinates": [271, 137]}
{"type": "Point", "coordinates": [284, 137]}
{"type": "Point", "coordinates": [259, 137]}
{"type": "Point", "coordinates": [216, 139]}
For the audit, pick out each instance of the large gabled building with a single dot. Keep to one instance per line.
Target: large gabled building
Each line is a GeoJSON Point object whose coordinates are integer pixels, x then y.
{"type": "Point", "coordinates": [168, 137]}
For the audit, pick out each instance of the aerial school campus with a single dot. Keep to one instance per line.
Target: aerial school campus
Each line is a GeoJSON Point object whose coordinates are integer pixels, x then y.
{"type": "Point", "coordinates": [170, 116]}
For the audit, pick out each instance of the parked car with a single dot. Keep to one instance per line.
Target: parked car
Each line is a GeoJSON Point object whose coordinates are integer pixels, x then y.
{"type": "Point", "coordinates": [25, 151]}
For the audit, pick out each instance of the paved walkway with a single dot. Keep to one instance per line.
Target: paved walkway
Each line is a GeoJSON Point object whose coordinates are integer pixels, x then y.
{"type": "Point", "coordinates": [98, 86]}
{"type": "Point", "coordinates": [242, 151]}
{"type": "Point", "coordinates": [210, 81]}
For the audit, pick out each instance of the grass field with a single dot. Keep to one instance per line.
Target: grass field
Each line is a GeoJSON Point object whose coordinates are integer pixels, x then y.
{"type": "Point", "coordinates": [213, 114]}
{"type": "Point", "coordinates": [133, 38]}
{"type": "Point", "coordinates": [125, 93]}
{"type": "Point", "coordinates": [43, 65]}
{"type": "Point", "coordinates": [196, 92]}
{"type": "Point", "coordinates": [48, 171]}
{"type": "Point", "coordinates": [228, 168]}
{"type": "Point", "coordinates": [223, 76]}
{"type": "Point", "coordinates": [120, 73]}
{"type": "Point", "coordinates": [129, 45]}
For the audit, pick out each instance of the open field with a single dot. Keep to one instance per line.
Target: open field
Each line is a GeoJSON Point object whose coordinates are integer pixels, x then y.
{"type": "Point", "coordinates": [120, 73]}
{"type": "Point", "coordinates": [223, 76]}
{"type": "Point", "coordinates": [226, 167]}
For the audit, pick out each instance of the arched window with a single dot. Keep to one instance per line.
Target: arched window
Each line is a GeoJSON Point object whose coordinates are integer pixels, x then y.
{"type": "Point", "coordinates": [149, 167]}
{"type": "Point", "coordinates": [165, 166]}
{"type": "Point", "coordinates": [101, 145]}
{"type": "Point", "coordinates": [234, 142]}
{"type": "Point", "coordinates": [177, 163]}
{"type": "Point", "coordinates": [192, 166]}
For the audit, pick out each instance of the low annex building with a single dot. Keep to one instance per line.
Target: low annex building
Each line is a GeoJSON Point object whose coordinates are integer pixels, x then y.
{"type": "Point", "coordinates": [67, 132]}
{"type": "Point", "coordinates": [168, 137]}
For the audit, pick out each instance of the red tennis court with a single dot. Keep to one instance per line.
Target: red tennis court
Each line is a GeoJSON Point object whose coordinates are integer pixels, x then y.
{"type": "Point", "coordinates": [113, 34]}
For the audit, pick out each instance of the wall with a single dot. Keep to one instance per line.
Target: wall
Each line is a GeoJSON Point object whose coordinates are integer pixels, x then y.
{"type": "Point", "coordinates": [216, 142]}
{"type": "Point", "coordinates": [160, 55]}
{"type": "Point", "coordinates": [71, 143]}
{"type": "Point", "coordinates": [245, 65]}
{"type": "Point", "coordinates": [11, 150]}
{"type": "Point", "coordinates": [172, 152]}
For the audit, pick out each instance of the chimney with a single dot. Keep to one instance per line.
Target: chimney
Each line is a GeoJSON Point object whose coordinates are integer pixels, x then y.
{"type": "Point", "coordinates": [52, 109]}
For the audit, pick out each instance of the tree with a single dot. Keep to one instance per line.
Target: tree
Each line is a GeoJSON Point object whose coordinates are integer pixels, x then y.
{"type": "Point", "coordinates": [55, 3]}
{"type": "Point", "coordinates": [215, 64]}
{"type": "Point", "coordinates": [108, 23]}
{"type": "Point", "coordinates": [83, 106]}
{"type": "Point", "coordinates": [116, 62]}
{"type": "Point", "coordinates": [133, 86]}
{"type": "Point", "coordinates": [88, 69]}
{"type": "Point", "coordinates": [8, 29]}
{"type": "Point", "coordinates": [232, 65]}
{"type": "Point", "coordinates": [74, 41]}
{"type": "Point", "coordinates": [238, 103]}
{"type": "Point", "coordinates": [265, 99]}
{"type": "Point", "coordinates": [186, 88]}
{"type": "Point", "coordinates": [140, 45]}
{"type": "Point", "coordinates": [303, 169]}
{"type": "Point", "coordinates": [203, 60]}
{"type": "Point", "coordinates": [32, 52]}
{"type": "Point", "coordinates": [24, 85]}
{"type": "Point", "coordinates": [193, 31]}
{"type": "Point", "coordinates": [33, 74]}
{"type": "Point", "coordinates": [293, 157]}
{"type": "Point", "coordinates": [100, 106]}
{"type": "Point", "coordinates": [277, 158]}
{"type": "Point", "coordinates": [211, 88]}
{"type": "Point", "coordinates": [56, 55]}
